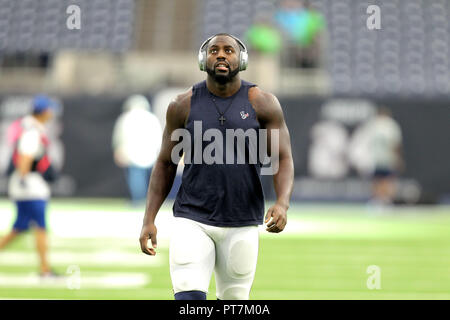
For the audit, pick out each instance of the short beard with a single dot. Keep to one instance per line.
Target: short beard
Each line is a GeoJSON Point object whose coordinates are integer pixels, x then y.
{"type": "Point", "coordinates": [222, 79]}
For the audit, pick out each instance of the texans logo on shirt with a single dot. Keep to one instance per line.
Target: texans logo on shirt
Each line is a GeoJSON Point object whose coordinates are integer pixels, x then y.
{"type": "Point", "coordinates": [244, 115]}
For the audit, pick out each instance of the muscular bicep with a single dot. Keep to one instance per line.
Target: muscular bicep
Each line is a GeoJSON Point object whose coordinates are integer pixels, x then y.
{"type": "Point", "coordinates": [273, 121]}
{"type": "Point", "coordinates": [175, 118]}
{"type": "Point", "coordinates": [284, 140]}
{"type": "Point", "coordinates": [167, 145]}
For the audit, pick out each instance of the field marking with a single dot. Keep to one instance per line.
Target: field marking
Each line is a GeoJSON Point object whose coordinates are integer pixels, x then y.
{"type": "Point", "coordinates": [98, 258]}
{"type": "Point", "coordinates": [126, 224]}
{"type": "Point", "coordinates": [88, 280]}
{"type": "Point", "coordinates": [89, 224]}
{"type": "Point", "coordinates": [97, 244]}
{"type": "Point", "coordinates": [8, 298]}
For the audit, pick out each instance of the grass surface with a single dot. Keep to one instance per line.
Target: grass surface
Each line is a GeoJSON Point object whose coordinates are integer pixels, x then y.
{"type": "Point", "coordinates": [323, 254]}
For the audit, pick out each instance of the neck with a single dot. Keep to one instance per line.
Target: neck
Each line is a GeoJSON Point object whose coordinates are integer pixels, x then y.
{"type": "Point", "coordinates": [223, 90]}
{"type": "Point", "coordinates": [39, 119]}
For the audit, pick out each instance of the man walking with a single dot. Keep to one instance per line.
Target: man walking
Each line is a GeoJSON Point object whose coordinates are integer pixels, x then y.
{"type": "Point", "coordinates": [31, 171]}
{"type": "Point", "coordinates": [220, 204]}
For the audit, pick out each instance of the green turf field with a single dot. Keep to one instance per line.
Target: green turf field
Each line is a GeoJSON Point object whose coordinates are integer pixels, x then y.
{"type": "Point", "coordinates": [324, 253]}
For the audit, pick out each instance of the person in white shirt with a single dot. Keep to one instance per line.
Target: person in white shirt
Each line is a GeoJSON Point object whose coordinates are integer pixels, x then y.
{"type": "Point", "coordinates": [30, 174]}
{"type": "Point", "coordinates": [136, 142]}
{"type": "Point", "coordinates": [386, 152]}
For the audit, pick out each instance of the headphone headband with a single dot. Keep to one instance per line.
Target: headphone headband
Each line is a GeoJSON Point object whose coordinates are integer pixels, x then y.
{"type": "Point", "coordinates": [240, 43]}
{"type": "Point", "coordinates": [243, 54]}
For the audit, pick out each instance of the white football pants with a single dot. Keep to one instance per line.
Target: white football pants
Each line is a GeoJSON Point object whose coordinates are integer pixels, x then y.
{"type": "Point", "coordinates": [196, 249]}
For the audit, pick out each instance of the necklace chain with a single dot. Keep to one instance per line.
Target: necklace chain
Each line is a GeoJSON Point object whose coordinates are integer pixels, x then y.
{"type": "Point", "coordinates": [222, 119]}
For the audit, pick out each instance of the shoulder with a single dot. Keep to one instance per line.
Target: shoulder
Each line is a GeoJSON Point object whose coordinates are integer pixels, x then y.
{"type": "Point", "coordinates": [388, 122]}
{"type": "Point", "coordinates": [30, 129]}
{"type": "Point", "coordinates": [395, 127]}
{"type": "Point", "coordinates": [30, 134]}
{"type": "Point", "coordinates": [29, 141]}
{"type": "Point", "coordinates": [259, 96]}
{"type": "Point", "coordinates": [181, 101]}
{"type": "Point", "coordinates": [27, 122]}
{"type": "Point", "coordinates": [265, 104]}
{"type": "Point", "coordinates": [179, 107]}
{"type": "Point", "coordinates": [393, 123]}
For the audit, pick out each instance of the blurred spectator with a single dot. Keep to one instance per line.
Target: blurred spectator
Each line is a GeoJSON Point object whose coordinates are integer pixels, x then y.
{"type": "Point", "coordinates": [136, 142]}
{"type": "Point", "coordinates": [302, 26]}
{"type": "Point", "coordinates": [263, 37]}
{"type": "Point", "coordinates": [30, 173]}
{"type": "Point", "coordinates": [385, 145]}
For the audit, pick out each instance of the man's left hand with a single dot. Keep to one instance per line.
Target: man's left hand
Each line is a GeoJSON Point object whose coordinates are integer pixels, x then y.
{"type": "Point", "coordinates": [276, 218]}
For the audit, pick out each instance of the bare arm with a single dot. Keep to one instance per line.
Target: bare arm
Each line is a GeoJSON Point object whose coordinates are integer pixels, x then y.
{"type": "Point", "coordinates": [270, 116]}
{"type": "Point", "coordinates": [24, 164]}
{"type": "Point", "coordinates": [163, 172]}
{"type": "Point", "coordinates": [28, 147]}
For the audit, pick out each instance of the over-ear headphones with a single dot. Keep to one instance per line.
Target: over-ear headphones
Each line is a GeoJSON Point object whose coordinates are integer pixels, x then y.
{"type": "Point", "coordinates": [243, 54]}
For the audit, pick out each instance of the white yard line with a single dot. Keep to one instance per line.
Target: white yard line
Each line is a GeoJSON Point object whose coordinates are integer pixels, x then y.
{"type": "Point", "coordinates": [117, 225]}
{"type": "Point", "coordinates": [97, 258]}
{"type": "Point", "coordinates": [89, 280]}
{"type": "Point", "coordinates": [125, 227]}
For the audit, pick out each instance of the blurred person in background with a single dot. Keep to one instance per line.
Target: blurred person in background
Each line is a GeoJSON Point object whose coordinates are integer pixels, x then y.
{"type": "Point", "coordinates": [265, 41]}
{"type": "Point", "coordinates": [136, 142]}
{"type": "Point", "coordinates": [30, 173]}
{"type": "Point", "coordinates": [263, 37]}
{"type": "Point", "coordinates": [385, 145]}
{"type": "Point", "coordinates": [302, 26]}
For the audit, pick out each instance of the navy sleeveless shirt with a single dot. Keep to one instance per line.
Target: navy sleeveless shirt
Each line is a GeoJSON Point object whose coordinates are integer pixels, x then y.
{"type": "Point", "coordinates": [227, 194]}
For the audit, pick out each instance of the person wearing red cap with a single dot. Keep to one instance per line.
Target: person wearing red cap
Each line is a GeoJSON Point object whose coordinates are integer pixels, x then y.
{"type": "Point", "coordinates": [30, 173]}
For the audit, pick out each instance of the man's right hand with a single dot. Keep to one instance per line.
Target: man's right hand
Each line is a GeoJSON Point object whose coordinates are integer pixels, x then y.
{"type": "Point", "coordinates": [148, 232]}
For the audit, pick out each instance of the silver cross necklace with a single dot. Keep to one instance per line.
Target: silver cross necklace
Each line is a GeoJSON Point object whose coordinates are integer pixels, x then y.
{"type": "Point", "coordinates": [222, 119]}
